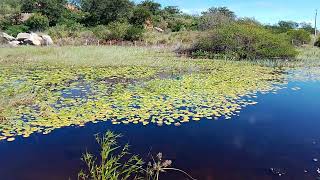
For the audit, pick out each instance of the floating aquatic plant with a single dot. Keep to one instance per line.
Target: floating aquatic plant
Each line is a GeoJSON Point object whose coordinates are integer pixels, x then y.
{"type": "Point", "coordinates": [40, 97]}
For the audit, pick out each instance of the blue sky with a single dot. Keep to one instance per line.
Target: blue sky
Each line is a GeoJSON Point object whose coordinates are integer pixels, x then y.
{"type": "Point", "coordinates": [265, 11]}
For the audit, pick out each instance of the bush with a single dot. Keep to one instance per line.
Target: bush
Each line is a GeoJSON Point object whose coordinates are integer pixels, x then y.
{"type": "Point", "coordinates": [118, 30]}
{"type": "Point", "coordinates": [134, 33]}
{"type": "Point", "coordinates": [244, 41]}
{"type": "Point", "coordinates": [66, 31]}
{"type": "Point", "coordinates": [317, 43]}
{"type": "Point", "coordinates": [140, 16]}
{"type": "Point", "coordinates": [106, 11]}
{"type": "Point", "coordinates": [16, 29]}
{"type": "Point", "coordinates": [37, 22]}
{"type": "Point", "coordinates": [101, 32]}
{"type": "Point", "coordinates": [299, 37]}
{"type": "Point", "coordinates": [72, 17]}
{"type": "Point", "coordinates": [53, 9]}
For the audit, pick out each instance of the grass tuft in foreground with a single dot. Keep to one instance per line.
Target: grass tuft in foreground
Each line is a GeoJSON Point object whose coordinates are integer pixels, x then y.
{"type": "Point", "coordinates": [122, 166]}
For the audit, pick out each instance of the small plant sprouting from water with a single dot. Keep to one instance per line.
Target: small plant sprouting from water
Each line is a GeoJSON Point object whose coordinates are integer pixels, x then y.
{"type": "Point", "coordinates": [111, 166]}
{"type": "Point", "coordinates": [122, 166]}
{"type": "Point", "coordinates": [161, 166]}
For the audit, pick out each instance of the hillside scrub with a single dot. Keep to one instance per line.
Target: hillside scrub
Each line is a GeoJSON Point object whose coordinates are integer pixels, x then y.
{"type": "Point", "coordinates": [299, 37]}
{"type": "Point", "coordinates": [317, 43]}
{"type": "Point", "coordinates": [243, 41]}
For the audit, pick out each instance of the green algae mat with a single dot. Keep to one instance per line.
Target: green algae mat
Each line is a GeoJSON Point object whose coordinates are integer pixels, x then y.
{"type": "Point", "coordinates": [61, 87]}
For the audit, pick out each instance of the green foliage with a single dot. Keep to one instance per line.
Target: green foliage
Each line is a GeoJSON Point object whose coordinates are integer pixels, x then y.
{"type": "Point", "coordinates": [65, 31]}
{"type": "Point", "coordinates": [109, 165]}
{"type": "Point", "coordinates": [101, 32]}
{"type": "Point", "coordinates": [71, 17]}
{"type": "Point", "coordinates": [134, 33]}
{"type": "Point", "coordinates": [183, 38]}
{"type": "Point", "coordinates": [118, 30]}
{"type": "Point", "coordinates": [37, 22]}
{"type": "Point", "coordinates": [221, 10]}
{"type": "Point", "coordinates": [53, 9]}
{"type": "Point", "coordinates": [181, 22]}
{"type": "Point", "coordinates": [285, 26]}
{"type": "Point", "coordinates": [245, 41]}
{"type": "Point", "coordinates": [140, 16]}
{"type": "Point", "coordinates": [153, 7]}
{"type": "Point", "coordinates": [14, 30]}
{"type": "Point", "coordinates": [249, 21]}
{"type": "Point", "coordinates": [307, 27]}
{"type": "Point", "coordinates": [102, 12]}
{"type": "Point", "coordinates": [172, 10]}
{"type": "Point", "coordinates": [122, 166]}
{"type": "Point", "coordinates": [9, 7]}
{"type": "Point", "coordinates": [317, 43]}
{"type": "Point", "coordinates": [216, 17]}
{"type": "Point", "coordinates": [10, 20]}
{"type": "Point", "coordinates": [299, 37]}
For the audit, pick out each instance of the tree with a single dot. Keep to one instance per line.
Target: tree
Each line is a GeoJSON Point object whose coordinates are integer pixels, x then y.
{"type": "Point", "coordinates": [151, 6]}
{"type": "Point", "coordinates": [140, 16]}
{"type": "Point", "coordinates": [106, 11]}
{"type": "Point", "coordinates": [222, 11]}
{"type": "Point", "coordinates": [288, 25]}
{"type": "Point", "coordinates": [172, 10]}
{"type": "Point", "coordinates": [216, 17]}
{"type": "Point", "coordinates": [249, 21]}
{"type": "Point", "coordinates": [307, 27]}
{"type": "Point", "coordinates": [53, 9]}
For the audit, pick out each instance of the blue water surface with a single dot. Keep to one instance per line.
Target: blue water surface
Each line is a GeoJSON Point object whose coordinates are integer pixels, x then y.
{"type": "Point", "coordinates": [280, 132]}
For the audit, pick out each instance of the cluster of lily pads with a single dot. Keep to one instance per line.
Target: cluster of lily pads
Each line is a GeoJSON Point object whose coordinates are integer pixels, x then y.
{"type": "Point", "coordinates": [43, 98]}
{"type": "Point", "coordinates": [308, 73]}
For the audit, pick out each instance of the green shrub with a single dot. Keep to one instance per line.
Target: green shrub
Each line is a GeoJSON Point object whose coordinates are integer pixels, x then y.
{"type": "Point", "coordinates": [53, 9]}
{"type": "Point", "coordinates": [317, 43]}
{"type": "Point", "coordinates": [37, 22]}
{"type": "Point", "coordinates": [245, 41]}
{"type": "Point", "coordinates": [118, 30]}
{"type": "Point", "coordinates": [299, 37]}
{"type": "Point", "coordinates": [72, 17]}
{"type": "Point", "coordinates": [134, 33]}
{"type": "Point", "coordinates": [140, 16]}
{"type": "Point", "coordinates": [16, 29]}
{"type": "Point", "coordinates": [66, 31]}
{"type": "Point", "coordinates": [101, 32]}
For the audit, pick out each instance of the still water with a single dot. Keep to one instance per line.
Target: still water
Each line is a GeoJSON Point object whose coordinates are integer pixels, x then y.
{"type": "Point", "coordinates": [280, 132]}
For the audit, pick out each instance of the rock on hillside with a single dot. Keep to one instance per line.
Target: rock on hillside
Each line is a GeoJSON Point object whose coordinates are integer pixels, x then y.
{"type": "Point", "coordinates": [26, 39]}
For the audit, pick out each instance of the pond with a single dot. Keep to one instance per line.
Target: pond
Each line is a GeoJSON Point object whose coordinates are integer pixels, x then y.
{"type": "Point", "coordinates": [218, 124]}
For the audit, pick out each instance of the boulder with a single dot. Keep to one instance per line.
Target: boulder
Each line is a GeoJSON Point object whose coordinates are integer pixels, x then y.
{"type": "Point", "coordinates": [30, 39]}
{"type": "Point", "coordinates": [36, 39]}
{"type": "Point", "coordinates": [47, 40]}
{"type": "Point", "coordinates": [159, 29]}
{"type": "Point", "coordinates": [14, 43]}
{"type": "Point", "coordinates": [23, 36]}
{"type": "Point", "coordinates": [6, 37]}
